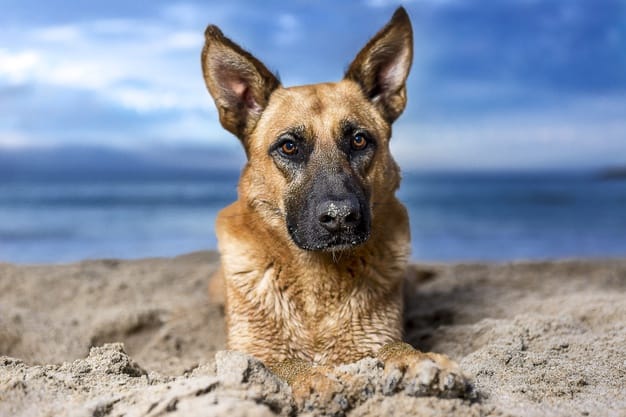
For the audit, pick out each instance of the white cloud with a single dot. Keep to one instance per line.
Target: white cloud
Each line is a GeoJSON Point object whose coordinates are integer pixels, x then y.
{"type": "Point", "coordinates": [115, 27]}
{"type": "Point", "coordinates": [13, 140]}
{"type": "Point", "coordinates": [103, 56]}
{"type": "Point", "coordinates": [57, 34]}
{"type": "Point", "coordinates": [84, 75]}
{"type": "Point", "coordinates": [18, 67]}
{"type": "Point", "coordinates": [144, 65]}
{"type": "Point", "coordinates": [196, 128]}
{"type": "Point", "coordinates": [184, 40]}
{"type": "Point", "coordinates": [581, 134]}
{"type": "Point", "coordinates": [288, 32]}
{"type": "Point", "coordinates": [187, 14]}
{"type": "Point", "coordinates": [144, 100]}
{"type": "Point", "coordinates": [49, 66]}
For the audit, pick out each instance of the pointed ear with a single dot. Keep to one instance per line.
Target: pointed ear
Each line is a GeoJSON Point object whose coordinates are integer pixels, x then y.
{"type": "Point", "coordinates": [382, 66]}
{"type": "Point", "coordinates": [239, 83]}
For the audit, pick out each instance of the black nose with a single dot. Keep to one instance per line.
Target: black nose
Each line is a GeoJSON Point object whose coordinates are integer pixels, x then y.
{"type": "Point", "coordinates": [335, 215]}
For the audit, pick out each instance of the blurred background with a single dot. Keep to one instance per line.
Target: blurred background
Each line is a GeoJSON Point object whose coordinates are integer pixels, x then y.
{"type": "Point", "coordinates": [513, 144]}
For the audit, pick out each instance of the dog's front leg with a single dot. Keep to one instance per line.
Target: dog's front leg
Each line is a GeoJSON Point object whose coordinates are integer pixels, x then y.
{"type": "Point", "coordinates": [420, 374]}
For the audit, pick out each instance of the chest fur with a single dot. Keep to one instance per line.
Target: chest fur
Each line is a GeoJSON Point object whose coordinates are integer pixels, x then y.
{"type": "Point", "coordinates": [318, 315]}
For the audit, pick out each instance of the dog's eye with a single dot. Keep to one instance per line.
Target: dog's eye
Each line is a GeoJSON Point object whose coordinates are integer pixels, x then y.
{"type": "Point", "coordinates": [289, 148]}
{"type": "Point", "coordinates": [359, 142]}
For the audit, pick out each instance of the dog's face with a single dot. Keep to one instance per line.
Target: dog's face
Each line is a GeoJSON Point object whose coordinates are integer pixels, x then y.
{"type": "Point", "coordinates": [318, 155]}
{"type": "Point", "coordinates": [322, 140]}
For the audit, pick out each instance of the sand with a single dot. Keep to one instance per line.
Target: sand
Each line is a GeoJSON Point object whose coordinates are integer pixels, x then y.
{"type": "Point", "coordinates": [142, 338]}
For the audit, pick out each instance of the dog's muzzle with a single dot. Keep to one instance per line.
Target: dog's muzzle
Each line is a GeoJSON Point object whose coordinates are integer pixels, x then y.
{"type": "Point", "coordinates": [331, 224]}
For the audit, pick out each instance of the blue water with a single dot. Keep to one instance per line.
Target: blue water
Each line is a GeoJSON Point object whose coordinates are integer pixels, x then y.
{"type": "Point", "coordinates": [512, 217]}
{"type": "Point", "coordinates": [453, 217]}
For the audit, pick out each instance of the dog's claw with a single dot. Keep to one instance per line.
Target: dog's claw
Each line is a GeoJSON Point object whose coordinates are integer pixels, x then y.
{"type": "Point", "coordinates": [421, 374]}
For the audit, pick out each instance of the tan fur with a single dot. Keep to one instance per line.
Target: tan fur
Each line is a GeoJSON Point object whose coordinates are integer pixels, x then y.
{"type": "Point", "coordinates": [285, 304]}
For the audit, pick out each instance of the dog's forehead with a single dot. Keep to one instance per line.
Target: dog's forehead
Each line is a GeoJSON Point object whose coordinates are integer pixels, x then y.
{"type": "Point", "coordinates": [319, 108]}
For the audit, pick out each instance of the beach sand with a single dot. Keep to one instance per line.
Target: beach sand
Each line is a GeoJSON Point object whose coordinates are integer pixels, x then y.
{"type": "Point", "coordinates": [142, 338]}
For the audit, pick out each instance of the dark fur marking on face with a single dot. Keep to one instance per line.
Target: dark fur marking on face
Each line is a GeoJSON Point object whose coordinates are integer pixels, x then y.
{"type": "Point", "coordinates": [289, 164]}
{"type": "Point", "coordinates": [360, 158]}
{"type": "Point", "coordinates": [327, 203]}
{"type": "Point", "coordinates": [328, 209]}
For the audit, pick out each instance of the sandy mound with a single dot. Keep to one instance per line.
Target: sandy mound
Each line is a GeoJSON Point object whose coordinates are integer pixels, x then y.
{"type": "Point", "coordinates": [537, 339]}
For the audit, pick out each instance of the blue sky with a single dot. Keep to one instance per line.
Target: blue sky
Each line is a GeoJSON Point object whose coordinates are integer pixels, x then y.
{"type": "Point", "coordinates": [517, 84]}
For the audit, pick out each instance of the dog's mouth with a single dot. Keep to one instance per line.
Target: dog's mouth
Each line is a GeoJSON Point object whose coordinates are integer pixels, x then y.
{"type": "Point", "coordinates": [330, 242]}
{"type": "Point", "coordinates": [334, 215]}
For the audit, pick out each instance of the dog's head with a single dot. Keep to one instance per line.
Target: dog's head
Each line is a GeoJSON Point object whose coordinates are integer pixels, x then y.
{"type": "Point", "coordinates": [318, 155]}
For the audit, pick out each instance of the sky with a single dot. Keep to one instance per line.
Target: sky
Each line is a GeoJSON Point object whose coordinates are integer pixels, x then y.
{"type": "Point", "coordinates": [495, 84]}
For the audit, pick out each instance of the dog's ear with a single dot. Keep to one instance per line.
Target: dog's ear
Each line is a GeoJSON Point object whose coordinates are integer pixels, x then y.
{"type": "Point", "coordinates": [239, 83]}
{"type": "Point", "coordinates": [382, 66]}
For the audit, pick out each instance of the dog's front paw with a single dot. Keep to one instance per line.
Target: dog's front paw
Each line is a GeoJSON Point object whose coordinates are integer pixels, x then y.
{"type": "Point", "coordinates": [319, 388]}
{"type": "Point", "coordinates": [420, 374]}
{"type": "Point", "coordinates": [314, 387]}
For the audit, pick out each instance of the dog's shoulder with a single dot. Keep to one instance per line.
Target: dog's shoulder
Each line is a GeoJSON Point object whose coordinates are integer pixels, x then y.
{"type": "Point", "coordinates": [235, 233]}
{"type": "Point", "coordinates": [235, 223]}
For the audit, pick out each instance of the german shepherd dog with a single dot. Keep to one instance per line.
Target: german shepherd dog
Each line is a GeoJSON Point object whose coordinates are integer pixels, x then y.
{"type": "Point", "coordinates": [314, 251]}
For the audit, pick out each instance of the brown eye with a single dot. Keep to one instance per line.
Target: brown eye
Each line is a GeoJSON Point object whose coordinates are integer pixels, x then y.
{"type": "Point", "coordinates": [359, 142]}
{"type": "Point", "coordinates": [289, 148]}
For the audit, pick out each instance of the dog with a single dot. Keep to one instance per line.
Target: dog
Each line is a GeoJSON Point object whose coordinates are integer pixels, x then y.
{"type": "Point", "coordinates": [314, 251]}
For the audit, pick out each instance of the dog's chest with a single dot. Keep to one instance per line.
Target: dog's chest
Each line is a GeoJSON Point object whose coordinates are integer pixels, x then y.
{"type": "Point", "coordinates": [315, 301]}
{"type": "Point", "coordinates": [320, 320]}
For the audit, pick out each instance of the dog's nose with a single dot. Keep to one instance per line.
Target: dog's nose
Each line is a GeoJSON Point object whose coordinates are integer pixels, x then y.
{"type": "Point", "coordinates": [335, 215]}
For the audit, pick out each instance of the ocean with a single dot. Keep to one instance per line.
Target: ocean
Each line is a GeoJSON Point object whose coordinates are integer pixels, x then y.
{"type": "Point", "coordinates": [454, 217]}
